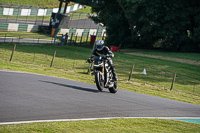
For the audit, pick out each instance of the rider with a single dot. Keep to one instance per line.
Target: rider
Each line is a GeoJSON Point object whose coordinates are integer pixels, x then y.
{"type": "Point", "coordinates": [101, 49]}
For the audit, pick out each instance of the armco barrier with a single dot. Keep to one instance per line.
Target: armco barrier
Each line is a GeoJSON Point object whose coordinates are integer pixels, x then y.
{"type": "Point", "coordinates": [34, 28]}
{"type": "Point", "coordinates": [1, 10]}
{"type": "Point", "coordinates": [13, 27]}
{"type": "Point", "coordinates": [3, 26]}
{"type": "Point", "coordinates": [38, 12]}
{"type": "Point", "coordinates": [22, 27]}
{"type": "Point", "coordinates": [72, 31]}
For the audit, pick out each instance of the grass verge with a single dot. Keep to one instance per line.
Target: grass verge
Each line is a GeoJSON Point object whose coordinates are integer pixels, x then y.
{"type": "Point", "coordinates": [24, 35]}
{"type": "Point", "coordinates": [106, 126]}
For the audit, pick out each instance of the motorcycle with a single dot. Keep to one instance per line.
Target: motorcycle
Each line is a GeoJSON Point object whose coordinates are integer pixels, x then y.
{"type": "Point", "coordinates": [103, 74]}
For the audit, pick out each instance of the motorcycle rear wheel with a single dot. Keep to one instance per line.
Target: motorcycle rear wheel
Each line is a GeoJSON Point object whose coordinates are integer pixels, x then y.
{"type": "Point", "coordinates": [114, 89]}
{"type": "Point", "coordinates": [98, 81]}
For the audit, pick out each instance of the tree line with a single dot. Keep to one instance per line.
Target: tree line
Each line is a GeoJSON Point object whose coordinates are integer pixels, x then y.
{"type": "Point", "coordinates": [173, 24]}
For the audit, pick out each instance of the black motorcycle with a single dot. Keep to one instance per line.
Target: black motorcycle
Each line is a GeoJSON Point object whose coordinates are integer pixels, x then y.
{"type": "Point", "coordinates": [103, 74]}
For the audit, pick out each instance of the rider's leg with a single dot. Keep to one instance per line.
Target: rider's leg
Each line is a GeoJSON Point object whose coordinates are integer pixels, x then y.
{"type": "Point", "coordinates": [113, 69]}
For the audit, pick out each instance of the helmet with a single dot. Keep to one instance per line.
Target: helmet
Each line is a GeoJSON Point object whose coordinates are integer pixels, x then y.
{"type": "Point", "coordinates": [99, 44]}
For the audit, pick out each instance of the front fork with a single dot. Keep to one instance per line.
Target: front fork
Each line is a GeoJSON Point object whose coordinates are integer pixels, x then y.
{"type": "Point", "coordinates": [102, 70]}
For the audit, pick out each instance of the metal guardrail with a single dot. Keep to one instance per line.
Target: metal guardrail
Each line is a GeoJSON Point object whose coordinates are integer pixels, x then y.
{"type": "Point", "coordinates": [27, 10]}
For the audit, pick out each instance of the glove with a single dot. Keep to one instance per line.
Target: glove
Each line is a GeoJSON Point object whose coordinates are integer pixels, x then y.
{"type": "Point", "coordinates": [89, 60]}
{"type": "Point", "coordinates": [110, 55]}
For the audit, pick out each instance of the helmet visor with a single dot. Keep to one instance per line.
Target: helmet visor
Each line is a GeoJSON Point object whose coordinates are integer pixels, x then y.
{"type": "Point", "coordinates": [99, 46]}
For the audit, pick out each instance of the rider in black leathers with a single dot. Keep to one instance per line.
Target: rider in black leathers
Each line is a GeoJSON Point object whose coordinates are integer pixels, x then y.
{"type": "Point", "coordinates": [101, 49]}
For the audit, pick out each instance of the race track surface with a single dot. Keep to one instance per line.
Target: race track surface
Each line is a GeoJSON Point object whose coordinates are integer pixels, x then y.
{"type": "Point", "coordinates": [28, 97]}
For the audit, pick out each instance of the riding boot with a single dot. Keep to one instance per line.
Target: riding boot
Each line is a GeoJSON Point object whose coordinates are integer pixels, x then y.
{"type": "Point", "coordinates": [114, 75]}
{"type": "Point", "coordinates": [113, 70]}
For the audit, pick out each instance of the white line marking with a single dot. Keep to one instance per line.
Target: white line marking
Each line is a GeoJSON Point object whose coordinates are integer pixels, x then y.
{"type": "Point", "coordinates": [88, 119]}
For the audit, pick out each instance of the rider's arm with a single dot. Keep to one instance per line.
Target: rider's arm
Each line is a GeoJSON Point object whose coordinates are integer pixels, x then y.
{"type": "Point", "coordinates": [109, 52]}
{"type": "Point", "coordinates": [94, 54]}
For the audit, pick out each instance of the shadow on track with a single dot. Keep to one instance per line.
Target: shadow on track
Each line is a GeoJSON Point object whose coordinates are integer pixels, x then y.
{"type": "Point", "coordinates": [73, 87]}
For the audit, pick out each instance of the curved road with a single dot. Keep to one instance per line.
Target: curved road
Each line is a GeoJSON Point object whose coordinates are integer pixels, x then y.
{"type": "Point", "coordinates": [27, 97]}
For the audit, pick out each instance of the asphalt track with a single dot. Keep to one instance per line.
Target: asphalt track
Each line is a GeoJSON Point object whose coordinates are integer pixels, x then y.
{"type": "Point", "coordinates": [31, 97]}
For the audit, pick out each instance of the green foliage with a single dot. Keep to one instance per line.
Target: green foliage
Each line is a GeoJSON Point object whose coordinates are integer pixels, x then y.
{"type": "Point", "coordinates": [141, 23]}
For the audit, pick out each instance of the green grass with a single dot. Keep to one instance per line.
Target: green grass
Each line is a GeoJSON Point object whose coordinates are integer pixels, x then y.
{"type": "Point", "coordinates": [82, 13]}
{"type": "Point", "coordinates": [84, 10]}
{"type": "Point", "coordinates": [32, 17]}
{"type": "Point", "coordinates": [70, 64]}
{"type": "Point", "coordinates": [189, 56]}
{"type": "Point", "coordinates": [25, 35]}
{"type": "Point", "coordinates": [106, 126]}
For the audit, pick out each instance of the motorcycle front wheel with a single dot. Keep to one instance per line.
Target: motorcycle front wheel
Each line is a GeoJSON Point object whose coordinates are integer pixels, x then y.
{"type": "Point", "coordinates": [114, 89]}
{"type": "Point", "coordinates": [99, 81]}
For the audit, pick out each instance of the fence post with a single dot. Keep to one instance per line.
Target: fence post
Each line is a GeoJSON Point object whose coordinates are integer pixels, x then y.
{"type": "Point", "coordinates": [87, 37]}
{"type": "Point", "coordinates": [71, 39]}
{"type": "Point", "coordinates": [131, 73]}
{"type": "Point", "coordinates": [53, 58]}
{"type": "Point", "coordinates": [19, 40]}
{"type": "Point", "coordinates": [90, 67]}
{"type": "Point", "coordinates": [76, 38]}
{"type": "Point", "coordinates": [12, 52]}
{"type": "Point", "coordinates": [8, 12]}
{"type": "Point", "coordinates": [43, 15]}
{"type": "Point", "coordinates": [5, 38]}
{"type": "Point", "coordinates": [81, 38]}
{"type": "Point", "coordinates": [17, 12]}
{"type": "Point", "coordinates": [51, 40]}
{"type": "Point", "coordinates": [173, 81]}
{"type": "Point", "coordinates": [36, 15]}
{"type": "Point", "coordinates": [34, 58]}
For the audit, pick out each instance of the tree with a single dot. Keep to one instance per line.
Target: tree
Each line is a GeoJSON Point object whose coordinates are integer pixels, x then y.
{"type": "Point", "coordinates": [141, 23]}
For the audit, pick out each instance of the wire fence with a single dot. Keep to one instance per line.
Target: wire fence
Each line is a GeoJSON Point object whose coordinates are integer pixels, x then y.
{"type": "Point", "coordinates": [71, 39]}
{"type": "Point", "coordinates": [26, 38]}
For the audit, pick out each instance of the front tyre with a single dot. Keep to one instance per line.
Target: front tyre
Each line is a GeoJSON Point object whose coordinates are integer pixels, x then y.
{"type": "Point", "coordinates": [114, 89]}
{"type": "Point", "coordinates": [99, 81]}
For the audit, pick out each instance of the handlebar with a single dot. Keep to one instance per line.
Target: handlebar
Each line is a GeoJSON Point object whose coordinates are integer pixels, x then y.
{"type": "Point", "coordinates": [101, 55]}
